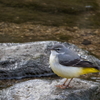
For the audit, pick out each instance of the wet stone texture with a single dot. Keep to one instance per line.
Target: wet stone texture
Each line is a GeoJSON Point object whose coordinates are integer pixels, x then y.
{"type": "Point", "coordinates": [44, 89]}
{"type": "Point", "coordinates": [31, 59]}
{"type": "Point", "coordinates": [24, 60]}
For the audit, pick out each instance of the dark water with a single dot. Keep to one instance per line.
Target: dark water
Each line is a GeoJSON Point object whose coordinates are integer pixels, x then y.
{"type": "Point", "coordinates": [81, 13]}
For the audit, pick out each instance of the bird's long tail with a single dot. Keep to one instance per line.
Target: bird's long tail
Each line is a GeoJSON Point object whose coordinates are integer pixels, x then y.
{"type": "Point", "coordinates": [89, 70]}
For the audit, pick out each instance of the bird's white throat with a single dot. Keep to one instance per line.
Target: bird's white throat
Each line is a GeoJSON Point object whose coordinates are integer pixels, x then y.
{"type": "Point", "coordinates": [53, 58]}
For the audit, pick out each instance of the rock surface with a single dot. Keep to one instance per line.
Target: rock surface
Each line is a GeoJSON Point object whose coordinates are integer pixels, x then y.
{"type": "Point", "coordinates": [24, 60]}
{"type": "Point", "coordinates": [44, 89]}
{"type": "Point", "coordinates": [31, 59]}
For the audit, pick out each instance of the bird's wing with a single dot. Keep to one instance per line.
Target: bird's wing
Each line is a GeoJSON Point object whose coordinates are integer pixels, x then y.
{"type": "Point", "coordinates": [68, 60]}
{"type": "Point", "coordinates": [86, 64]}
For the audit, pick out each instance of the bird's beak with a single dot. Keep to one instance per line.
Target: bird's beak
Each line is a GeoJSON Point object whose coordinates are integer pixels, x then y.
{"type": "Point", "coordinates": [51, 48]}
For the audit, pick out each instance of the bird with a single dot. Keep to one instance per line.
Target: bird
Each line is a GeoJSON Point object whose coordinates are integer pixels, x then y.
{"type": "Point", "coordinates": [68, 64]}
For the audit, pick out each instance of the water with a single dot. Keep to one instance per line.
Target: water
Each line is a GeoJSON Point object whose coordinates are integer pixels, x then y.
{"type": "Point", "coordinates": [52, 13]}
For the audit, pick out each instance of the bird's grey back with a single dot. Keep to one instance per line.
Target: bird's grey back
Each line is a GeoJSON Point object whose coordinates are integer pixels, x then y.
{"type": "Point", "coordinates": [68, 56]}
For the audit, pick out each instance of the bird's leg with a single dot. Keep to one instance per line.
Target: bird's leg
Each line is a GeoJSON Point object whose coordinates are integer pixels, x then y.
{"type": "Point", "coordinates": [65, 82]}
{"type": "Point", "coordinates": [69, 83]}
{"type": "Point", "coordinates": [61, 86]}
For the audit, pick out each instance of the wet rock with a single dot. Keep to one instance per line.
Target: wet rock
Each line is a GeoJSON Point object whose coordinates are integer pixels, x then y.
{"type": "Point", "coordinates": [75, 28]}
{"type": "Point", "coordinates": [24, 60]}
{"type": "Point", "coordinates": [86, 42]}
{"type": "Point", "coordinates": [44, 89]}
{"type": "Point", "coordinates": [31, 59]}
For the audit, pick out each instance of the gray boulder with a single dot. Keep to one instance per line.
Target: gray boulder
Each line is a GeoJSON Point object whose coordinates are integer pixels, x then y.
{"type": "Point", "coordinates": [19, 61]}
{"type": "Point", "coordinates": [44, 89]}
{"type": "Point", "coordinates": [24, 60]}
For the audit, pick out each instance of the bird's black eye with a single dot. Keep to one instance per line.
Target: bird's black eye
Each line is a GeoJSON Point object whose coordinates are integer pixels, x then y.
{"type": "Point", "coordinates": [57, 49]}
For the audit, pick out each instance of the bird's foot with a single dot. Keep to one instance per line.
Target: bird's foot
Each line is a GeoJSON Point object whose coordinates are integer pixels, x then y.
{"type": "Point", "coordinates": [63, 86]}
{"type": "Point", "coordinates": [60, 86]}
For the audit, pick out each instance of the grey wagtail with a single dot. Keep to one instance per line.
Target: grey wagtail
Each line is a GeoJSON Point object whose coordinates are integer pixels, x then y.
{"type": "Point", "coordinates": [67, 64]}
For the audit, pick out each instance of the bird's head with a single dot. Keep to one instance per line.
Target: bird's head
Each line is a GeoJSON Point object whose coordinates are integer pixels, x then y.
{"type": "Point", "coordinates": [58, 48]}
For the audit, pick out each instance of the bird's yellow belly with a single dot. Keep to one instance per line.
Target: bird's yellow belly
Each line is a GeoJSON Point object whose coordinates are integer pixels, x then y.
{"type": "Point", "coordinates": [71, 72]}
